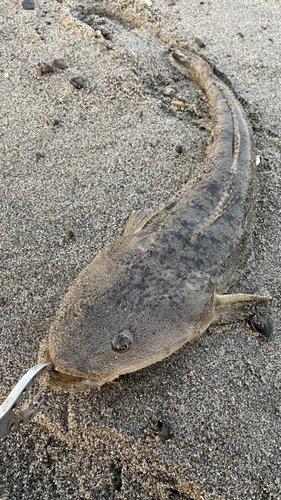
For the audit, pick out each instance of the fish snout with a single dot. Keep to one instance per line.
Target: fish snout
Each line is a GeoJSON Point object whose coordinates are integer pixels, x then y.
{"type": "Point", "coordinates": [63, 381]}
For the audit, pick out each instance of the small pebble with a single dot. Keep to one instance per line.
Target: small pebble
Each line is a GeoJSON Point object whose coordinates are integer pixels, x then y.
{"type": "Point", "coordinates": [98, 34]}
{"type": "Point", "coordinates": [200, 43]}
{"type": "Point", "coordinates": [60, 64]}
{"type": "Point", "coordinates": [179, 149]}
{"type": "Point", "coordinates": [164, 431]}
{"type": "Point", "coordinates": [259, 325]}
{"type": "Point", "coordinates": [77, 82]}
{"type": "Point", "coordinates": [177, 104]}
{"type": "Point", "coordinates": [153, 144]}
{"type": "Point", "coordinates": [168, 91]}
{"type": "Point", "coordinates": [28, 5]}
{"type": "Point", "coordinates": [2, 302]}
{"type": "Point", "coordinates": [37, 156]}
{"type": "Point", "coordinates": [45, 68]}
{"type": "Point", "coordinates": [69, 235]}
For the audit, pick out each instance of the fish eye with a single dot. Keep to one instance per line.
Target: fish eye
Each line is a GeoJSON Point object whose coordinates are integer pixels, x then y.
{"type": "Point", "coordinates": [121, 342]}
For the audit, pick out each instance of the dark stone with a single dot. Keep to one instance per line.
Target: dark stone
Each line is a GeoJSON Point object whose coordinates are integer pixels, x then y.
{"type": "Point", "coordinates": [45, 68]}
{"type": "Point", "coordinates": [77, 82]}
{"type": "Point", "coordinates": [164, 431]}
{"type": "Point", "coordinates": [60, 64]}
{"type": "Point", "coordinates": [179, 149]}
{"type": "Point", "coordinates": [69, 235]}
{"type": "Point", "coordinates": [259, 325]}
{"type": "Point", "coordinates": [200, 43]}
{"type": "Point", "coordinates": [28, 5]}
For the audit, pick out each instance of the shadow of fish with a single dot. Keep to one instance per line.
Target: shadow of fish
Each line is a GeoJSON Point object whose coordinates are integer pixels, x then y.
{"type": "Point", "coordinates": [161, 283]}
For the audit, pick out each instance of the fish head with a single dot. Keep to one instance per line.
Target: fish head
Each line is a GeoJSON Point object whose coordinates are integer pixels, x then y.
{"type": "Point", "coordinates": [118, 318]}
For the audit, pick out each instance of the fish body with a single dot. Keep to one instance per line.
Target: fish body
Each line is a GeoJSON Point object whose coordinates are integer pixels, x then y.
{"type": "Point", "coordinates": [158, 286]}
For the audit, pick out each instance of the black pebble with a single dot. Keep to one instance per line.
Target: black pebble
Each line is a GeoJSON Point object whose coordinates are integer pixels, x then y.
{"type": "Point", "coordinates": [28, 5]}
{"type": "Point", "coordinates": [179, 149]}
{"type": "Point", "coordinates": [200, 43]}
{"type": "Point", "coordinates": [69, 235]}
{"type": "Point", "coordinates": [164, 431]}
{"type": "Point", "coordinates": [44, 69]}
{"type": "Point", "coordinates": [259, 326]}
{"type": "Point", "coordinates": [77, 82]}
{"type": "Point", "coordinates": [60, 64]}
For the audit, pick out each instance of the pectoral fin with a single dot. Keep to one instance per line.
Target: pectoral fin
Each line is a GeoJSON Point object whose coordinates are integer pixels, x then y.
{"type": "Point", "coordinates": [232, 307]}
{"type": "Point", "coordinates": [138, 220]}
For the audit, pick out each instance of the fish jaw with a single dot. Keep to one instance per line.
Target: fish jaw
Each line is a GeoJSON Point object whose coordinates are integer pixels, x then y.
{"type": "Point", "coordinates": [60, 380]}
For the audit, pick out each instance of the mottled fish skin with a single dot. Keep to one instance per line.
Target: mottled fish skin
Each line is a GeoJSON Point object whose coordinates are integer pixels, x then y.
{"type": "Point", "coordinates": [156, 285]}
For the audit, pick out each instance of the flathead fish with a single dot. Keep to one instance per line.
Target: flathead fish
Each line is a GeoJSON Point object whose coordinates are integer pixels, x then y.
{"type": "Point", "coordinates": [163, 282]}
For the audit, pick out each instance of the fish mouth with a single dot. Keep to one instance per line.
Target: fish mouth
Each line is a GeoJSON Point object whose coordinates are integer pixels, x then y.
{"type": "Point", "coordinates": [66, 382]}
{"type": "Point", "coordinates": [63, 381]}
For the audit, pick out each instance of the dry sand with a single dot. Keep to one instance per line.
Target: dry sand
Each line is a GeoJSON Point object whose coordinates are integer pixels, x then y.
{"type": "Point", "coordinates": [81, 160]}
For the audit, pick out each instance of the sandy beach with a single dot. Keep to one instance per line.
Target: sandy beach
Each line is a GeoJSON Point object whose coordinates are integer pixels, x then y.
{"type": "Point", "coordinates": [77, 156]}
